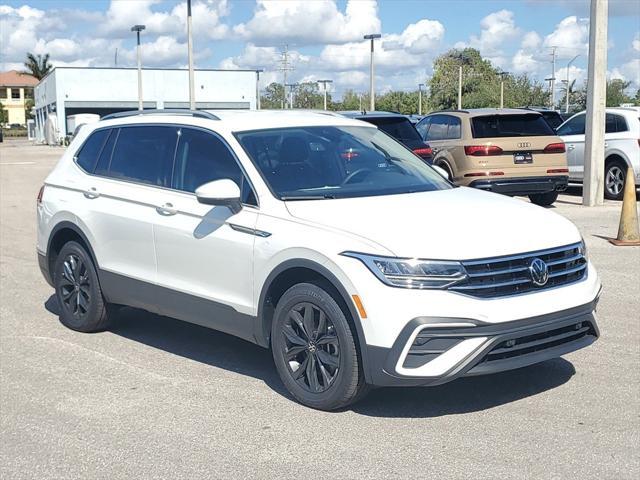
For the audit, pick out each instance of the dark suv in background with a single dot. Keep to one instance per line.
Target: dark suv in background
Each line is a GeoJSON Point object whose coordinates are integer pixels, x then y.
{"type": "Point", "coordinates": [399, 127]}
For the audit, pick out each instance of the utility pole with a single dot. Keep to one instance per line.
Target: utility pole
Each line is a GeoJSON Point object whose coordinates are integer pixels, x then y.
{"type": "Point", "coordinates": [324, 87]}
{"type": "Point", "coordinates": [566, 110]}
{"type": "Point", "coordinates": [420, 85]}
{"type": "Point", "coordinates": [192, 98]}
{"type": "Point", "coordinates": [372, 96]}
{"type": "Point", "coordinates": [258, 72]}
{"type": "Point", "coordinates": [553, 77]}
{"type": "Point", "coordinates": [593, 184]}
{"type": "Point", "coordinates": [460, 87]}
{"type": "Point", "coordinates": [138, 29]}
{"type": "Point", "coordinates": [285, 67]}
{"type": "Point", "coordinates": [502, 75]}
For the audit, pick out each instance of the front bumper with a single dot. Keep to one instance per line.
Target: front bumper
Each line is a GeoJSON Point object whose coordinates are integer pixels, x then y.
{"type": "Point", "coordinates": [523, 186]}
{"type": "Point", "coordinates": [433, 351]}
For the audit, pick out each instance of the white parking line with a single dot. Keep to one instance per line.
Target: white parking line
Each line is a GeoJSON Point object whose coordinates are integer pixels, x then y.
{"type": "Point", "coordinates": [17, 163]}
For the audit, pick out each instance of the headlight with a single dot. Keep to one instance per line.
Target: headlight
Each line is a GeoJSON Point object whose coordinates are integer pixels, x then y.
{"type": "Point", "coordinates": [412, 273]}
{"type": "Point", "coordinates": [582, 249]}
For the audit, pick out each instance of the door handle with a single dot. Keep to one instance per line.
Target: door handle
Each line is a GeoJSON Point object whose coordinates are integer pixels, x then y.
{"type": "Point", "coordinates": [167, 209]}
{"type": "Point", "coordinates": [91, 193]}
{"type": "Point", "coordinates": [606, 145]}
{"type": "Point", "coordinates": [570, 147]}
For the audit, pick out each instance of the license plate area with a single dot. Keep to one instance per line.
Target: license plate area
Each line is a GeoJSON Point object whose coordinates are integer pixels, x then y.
{"type": "Point", "coordinates": [522, 157]}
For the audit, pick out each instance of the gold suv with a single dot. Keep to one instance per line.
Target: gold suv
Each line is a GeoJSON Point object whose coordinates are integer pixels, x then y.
{"type": "Point", "coordinates": [509, 151]}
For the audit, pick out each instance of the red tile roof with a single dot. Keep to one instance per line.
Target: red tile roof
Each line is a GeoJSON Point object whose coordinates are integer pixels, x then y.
{"type": "Point", "coordinates": [13, 78]}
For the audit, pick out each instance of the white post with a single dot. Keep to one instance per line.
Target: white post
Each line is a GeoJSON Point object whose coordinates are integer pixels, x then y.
{"type": "Point", "coordinates": [192, 97]}
{"type": "Point", "coordinates": [460, 88]}
{"type": "Point", "coordinates": [140, 105]}
{"type": "Point", "coordinates": [502, 92]}
{"type": "Point", "coordinates": [420, 99]}
{"type": "Point", "coordinates": [593, 187]}
{"type": "Point", "coordinates": [372, 96]}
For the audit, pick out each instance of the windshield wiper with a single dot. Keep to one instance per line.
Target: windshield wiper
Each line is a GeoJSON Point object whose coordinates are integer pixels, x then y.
{"type": "Point", "coordinates": [308, 197]}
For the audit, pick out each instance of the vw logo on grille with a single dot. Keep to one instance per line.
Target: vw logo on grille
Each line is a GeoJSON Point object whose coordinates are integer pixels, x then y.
{"type": "Point", "coordinates": [539, 272]}
{"type": "Point", "coordinates": [524, 145]}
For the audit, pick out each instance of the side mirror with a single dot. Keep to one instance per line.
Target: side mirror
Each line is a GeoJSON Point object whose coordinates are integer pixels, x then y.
{"type": "Point", "coordinates": [441, 171]}
{"type": "Point", "coordinates": [223, 192]}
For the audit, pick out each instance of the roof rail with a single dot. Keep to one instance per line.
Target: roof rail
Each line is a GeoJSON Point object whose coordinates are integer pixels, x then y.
{"type": "Point", "coordinates": [166, 111]}
{"type": "Point", "coordinates": [450, 110]}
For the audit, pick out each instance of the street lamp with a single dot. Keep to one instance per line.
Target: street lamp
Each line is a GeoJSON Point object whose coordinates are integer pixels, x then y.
{"type": "Point", "coordinates": [566, 108]}
{"type": "Point", "coordinates": [420, 85]}
{"type": "Point", "coordinates": [372, 96]}
{"type": "Point", "coordinates": [192, 97]}
{"type": "Point", "coordinates": [324, 85]}
{"type": "Point", "coordinates": [138, 29]}
{"type": "Point", "coordinates": [502, 75]}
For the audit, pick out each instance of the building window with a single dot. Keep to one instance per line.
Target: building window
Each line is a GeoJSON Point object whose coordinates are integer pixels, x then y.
{"type": "Point", "coordinates": [15, 94]}
{"type": "Point", "coordinates": [3, 92]}
{"type": "Point", "coordinates": [28, 93]}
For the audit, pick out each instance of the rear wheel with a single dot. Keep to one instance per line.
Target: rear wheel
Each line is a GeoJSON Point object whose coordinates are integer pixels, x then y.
{"type": "Point", "coordinates": [314, 350]}
{"type": "Point", "coordinates": [615, 174]}
{"type": "Point", "coordinates": [82, 306]}
{"type": "Point", "coordinates": [543, 199]}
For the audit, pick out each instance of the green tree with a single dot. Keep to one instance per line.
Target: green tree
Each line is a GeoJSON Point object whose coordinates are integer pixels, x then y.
{"type": "Point", "coordinates": [615, 93]}
{"type": "Point", "coordinates": [401, 102]}
{"type": "Point", "coordinates": [637, 99]}
{"type": "Point", "coordinates": [4, 115]}
{"type": "Point", "coordinates": [273, 96]}
{"type": "Point", "coordinates": [37, 65]}
{"type": "Point", "coordinates": [350, 101]}
{"type": "Point", "coordinates": [307, 95]}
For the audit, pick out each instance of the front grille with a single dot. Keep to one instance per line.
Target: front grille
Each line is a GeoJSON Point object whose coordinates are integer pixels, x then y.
{"type": "Point", "coordinates": [528, 344]}
{"type": "Point", "coordinates": [500, 276]}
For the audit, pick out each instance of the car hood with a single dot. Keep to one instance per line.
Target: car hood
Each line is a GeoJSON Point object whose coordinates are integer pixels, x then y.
{"type": "Point", "coordinates": [456, 224]}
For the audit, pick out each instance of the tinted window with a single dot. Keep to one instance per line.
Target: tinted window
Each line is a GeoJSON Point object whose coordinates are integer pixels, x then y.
{"type": "Point", "coordinates": [87, 157]}
{"type": "Point", "coordinates": [202, 157]}
{"type": "Point", "coordinates": [615, 123]}
{"type": "Point", "coordinates": [308, 163]}
{"type": "Point", "coordinates": [573, 126]}
{"type": "Point", "coordinates": [398, 127]}
{"type": "Point", "coordinates": [438, 129]}
{"type": "Point", "coordinates": [526, 125]}
{"type": "Point", "coordinates": [423, 127]}
{"type": "Point", "coordinates": [144, 154]}
{"type": "Point", "coordinates": [102, 168]}
{"type": "Point", "coordinates": [454, 128]}
{"type": "Point", "coordinates": [553, 119]}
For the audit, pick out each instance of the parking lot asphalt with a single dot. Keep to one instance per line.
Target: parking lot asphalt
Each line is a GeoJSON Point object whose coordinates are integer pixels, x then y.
{"type": "Point", "coordinates": [157, 398]}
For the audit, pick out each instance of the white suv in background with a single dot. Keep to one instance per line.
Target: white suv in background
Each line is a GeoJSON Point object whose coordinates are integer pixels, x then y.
{"type": "Point", "coordinates": [316, 236]}
{"type": "Point", "coordinates": [622, 147]}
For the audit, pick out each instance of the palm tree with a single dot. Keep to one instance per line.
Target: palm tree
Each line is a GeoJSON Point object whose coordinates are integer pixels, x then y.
{"type": "Point", "coordinates": [37, 65]}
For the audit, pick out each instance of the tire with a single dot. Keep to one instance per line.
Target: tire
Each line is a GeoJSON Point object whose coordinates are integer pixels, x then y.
{"type": "Point", "coordinates": [615, 174]}
{"type": "Point", "coordinates": [311, 334]}
{"type": "Point", "coordinates": [82, 305]}
{"type": "Point", "coordinates": [544, 199]}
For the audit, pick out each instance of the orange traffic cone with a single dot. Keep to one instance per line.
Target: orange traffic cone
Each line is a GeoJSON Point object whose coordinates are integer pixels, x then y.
{"type": "Point", "coordinates": [628, 233]}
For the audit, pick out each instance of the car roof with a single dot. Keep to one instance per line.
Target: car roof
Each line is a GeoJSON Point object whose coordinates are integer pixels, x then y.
{"type": "Point", "coordinates": [240, 120]}
{"type": "Point", "coordinates": [373, 114]}
{"type": "Point", "coordinates": [478, 112]}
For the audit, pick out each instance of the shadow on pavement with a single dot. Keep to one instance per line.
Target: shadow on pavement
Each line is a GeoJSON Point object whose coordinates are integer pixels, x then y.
{"type": "Point", "coordinates": [233, 354]}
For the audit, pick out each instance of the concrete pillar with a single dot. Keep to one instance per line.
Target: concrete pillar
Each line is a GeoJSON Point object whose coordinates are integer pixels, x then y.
{"type": "Point", "coordinates": [593, 184]}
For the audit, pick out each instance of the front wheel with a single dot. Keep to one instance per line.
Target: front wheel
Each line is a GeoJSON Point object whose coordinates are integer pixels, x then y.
{"type": "Point", "coordinates": [314, 350]}
{"type": "Point", "coordinates": [543, 199]}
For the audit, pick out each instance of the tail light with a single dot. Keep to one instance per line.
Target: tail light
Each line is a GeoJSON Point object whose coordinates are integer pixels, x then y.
{"type": "Point", "coordinates": [555, 148]}
{"type": "Point", "coordinates": [425, 151]}
{"type": "Point", "coordinates": [483, 174]}
{"type": "Point", "coordinates": [39, 197]}
{"type": "Point", "coordinates": [558, 170]}
{"type": "Point", "coordinates": [482, 150]}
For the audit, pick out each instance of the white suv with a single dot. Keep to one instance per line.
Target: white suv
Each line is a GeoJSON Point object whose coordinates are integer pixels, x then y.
{"type": "Point", "coordinates": [621, 148]}
{"type": "Point", "coordinates": [317, 236]}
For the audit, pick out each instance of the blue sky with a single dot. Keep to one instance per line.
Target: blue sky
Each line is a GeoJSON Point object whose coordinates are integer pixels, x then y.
{"type": "Point", "coordinates": [323, 36]}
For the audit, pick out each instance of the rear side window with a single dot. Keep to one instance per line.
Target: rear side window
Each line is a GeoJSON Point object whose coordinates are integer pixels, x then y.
{"type": "Point", "coordinates": [526, 125]}
{"type": "Point", "coordinates": [573, 126]}
{"type": "Point", "coordinates": [438, 129]}
{"type": "Point", "coordinates": [454, 128]}
{"type": "Point", "coordinates": [144, 154]}
{"type": "Point", "coordinates": [615, 123]}
{"type": "Point", "coordinates": [202, 157]}
{"type": "Point", "coordinates": [398, 127]}
{"type": "Point", "coordinates": [87, 157]}
{"type": "Point", "coordinates": [423, 127]}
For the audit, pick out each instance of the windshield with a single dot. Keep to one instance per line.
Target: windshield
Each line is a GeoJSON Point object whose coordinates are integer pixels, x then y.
{"type": "Point", "coordinates": [307, 163]}
{"type": "Point", "coordinates": [398, 127]}
{"type": "Point", "coordinates": [525, 125]}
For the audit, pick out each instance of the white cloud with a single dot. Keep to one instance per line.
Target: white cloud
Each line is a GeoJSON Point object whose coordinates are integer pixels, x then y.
{"type": "Point", "coordinates": [571, 36]}
{"type": "Point", "coordinates": [421, 37]}
{"type": "Point", "coordinates": [309, 22]}
{"type": "Point", "coordinates": [531, 41]}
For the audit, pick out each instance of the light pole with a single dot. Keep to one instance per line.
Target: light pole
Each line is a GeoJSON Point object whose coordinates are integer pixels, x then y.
{"type": "Point", "coordinates": [372, 96]}
{"type": "Point", "coordinates": [291, 87]}
{"type": "Point", "coordinates": [138, 29]}
{"type": "Point", "coordinates": [420, 85]}
{"type": "Point", "coordinates": [324, 85]}
{"type": "Point", "coordinates": [566, 108]}
{"type": "Point", "coordinates": [192, 97]}
{"type": "Point", "coordinates": [502, 75]}
{"type": "Point", "coordinates": [460, 88]}
{"type": "Point", "coordinates": [258, 72]}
